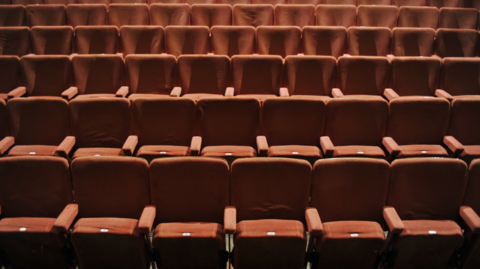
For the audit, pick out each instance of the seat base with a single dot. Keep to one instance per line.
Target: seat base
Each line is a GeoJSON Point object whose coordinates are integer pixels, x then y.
{"type": "Point", "coordinates": [229, 153]}
{"type": "Point", "coordinates": [33, 150]}
{"type": "Point", "coordinates": [89, 152]}
{"type": "Point", "coordinates": [358, 151]}
{"type": "Point", "coordinates": [309, 153]}
{"type": "Point", "coordinates": [151, 152]}
{"type": "Point", "coordinates": [422, 151]}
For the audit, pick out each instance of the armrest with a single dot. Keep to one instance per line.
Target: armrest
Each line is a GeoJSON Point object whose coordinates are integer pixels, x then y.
{"type": "Point", "coordinates": [284, 92]}
{"type": "Point", "coordinates": [196, 145]}
{"type": "Point", "coordinates": [390, 94]}
{"type": "Point", "coordinates": [391, 146]}
{"type": "Point", "coordinates": [262, 145]}
{"type": "Point", "coordinates": [230, 220]}
{"type": "Point", "coordinates": [6, 143]}
{"type": "Point", "coordinates": [66, 218]}
{"type": "Point", "coordinates": [145, 222]}
{"type": "Point", "coordinates": [314, 223]}
{"type": "Point", "coordinates": [176, 92]}
{"type": "Point", "coordinates": [390, 57]}
{"type": "Point", "coordinates": [229, 92]}
{"type": "Point", "coordinates": [453, 144]}
{"type": "Point", "coordinates": [122, 92]}
{"type": "Point", "coordinates": [443, 94]}
{"type": "Point", "coordinates": [327, 146]}
{"type": "Point", "coordinates": [471, 218]}
{"type": "Point", "coordinates": [336, 93]}
{"type": "Point", "coordinates": [70, 93]}
{"type": "Point", "coordinates": [395, 224]}
{"type": "Point", "coordinates": [66, 146]}
{"type": "Point", "coordinates": [17, 92]}
{"type": "Point", "coordinates": [130, 145]}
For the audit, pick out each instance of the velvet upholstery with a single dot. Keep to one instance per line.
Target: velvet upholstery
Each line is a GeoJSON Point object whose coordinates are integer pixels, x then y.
{"type": "Point", "coordinates": [295, 15]}
{"type": "Point", "coordinates": [362, 75]}
{"type": "Point", "coordinates": [400, 3]}
{"type": "Point", "coordinates": [414, 76]}
{"type": "Point", "coordinates": [340, 2]}
{"type": "Point", "coordinates": [459, 76]}
{"type": "Point", "coordinates": [96, 39]}
{"type": "Point", "coordinates": [141, 39]}
{"type": "Point", "coordinates": [106, 2]}
{"type": "Point", "coordinates": [128, 14]}
{"type": "Point", "coordinates": [305, 2]}
{"type": "Point", "coordinates": [232, 40]}
{"type": "Point", "coordinates": [80, 14]}
{"type": "Point", "coordinates": [12, 15]}
{"type": "Point", "coordinates": [411, 16]}
{"type": "Point", "coordinates": [462, 18]}
{"type": "Point", "coordinates": [169, 14]}
{"type": "Point", "coordinates": [443, 3]}
{"type": "Point", "coordinates": [253, 15]}
{"type": "Point", "coordinates": [187, 40]}
{"type": "Point", "coordinates": [413, 42]}
{"type": "Point", "coordinates": [45, 15]}
{"type": "Point", "coordinates": [372, 41]}
{"type": "Point", "coordinates": [27, 2]}
{"type": "Point", "coordinates": [211, 14]}
{"type": "Point", "coordinates": [377, 16]}
{"type": "Point", "coordinates": [52, 40]}
{"type": "Point", "coordinates": [336, 15]}
{"type": "Point", "coordinates": [4, 130]}
{"type": "Point", "coordinates": [324, 40]}
{"type": "Point", "coordinates": [279, 40]}
{"type": "Point", "coordinates": [471, 198]}
{"type": "Point", "coordinates": [457, 43]}
{"type": "Point", "coordinates": [15, 41]}
{"type": "Point", "coordinates": [464, 113]}
{"type": "Point", "coordinates": [10, 75]}
{"type": "Point", "coordinates": [60, 2]}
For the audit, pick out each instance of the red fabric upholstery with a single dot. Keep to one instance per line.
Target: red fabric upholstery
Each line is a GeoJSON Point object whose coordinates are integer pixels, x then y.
{"type": "Point", "coordinates": [462, 18]}
{"type": "Point", "coordinates": [229, 153]}
{"type": "Point", "coordinates": [10, 74]}
{"type": "Point", "coordinates": [414, 76]}
{"type": "Point", "coordinates": [80, 14]}
{"type": "Point", "coordinates": [358, 151]}
{"type": "Point", "coordinates": [150, 74]}
{"type": "Point", "coordinates": [187, 40]}
{"type": "Point", "coordinates": [141, 39]}
{"type": "Point", "coordinates": [400, 3]}
{"type": "Point", "coordinates": [302, 75]}
{"type": "Point", "coordinates": [457, 43]}
{"type": "Point", "coordinates": [211, 14]}
{"type": "Point", "coordinates": [422, 151]}
{"type": "Point", "coordinates": [336, 15]}
{"type": "Point", "coordinates": [377, 16]}
{"type": "Point", "coordinates": [471, 197]}
{"type": "Point", "coordinates": [232, 40]}
{"type": "Point", "coordinates": [169, 14]}
{"type": "Point", "coordinates": [294, 15]}
{"type": "Point", "coordinates": [26, 2]}
{"type": "Point", "coordinates": [324, 40]}
{"type": "Point", "coordinates": [52, 40]}
{"type": "Point", "coordinates": [45, 15]}
{"type": "Point", "coordinates": [421, 16]}
{"type": "Point", "coordinates": [253, 15]}
{"type": "Point", "coordinates": [464, 112]}
{"type": "Point", "coordinates": [443, 3]}
{"type": "Point", "coordinates": [459, 76]}
{"type": "Point", "coordinates": [15, 41]}
{"type": "Point", "coordinates": [97, 151]}
{"type": "Point", "coordinates": [128, 14]}
{"type": "Point", "coordinates": [279, 40]}
{"type": "Point", "coordinates": [12, 15]}
{"type": "Point", "coordinates": [362, 75]}
{"type": "Point", "coordinates": [4, 130]}
{"type": "Point", "coordinates": [96, 39]}
{"type": "Point", "coordinates": [373, 41]}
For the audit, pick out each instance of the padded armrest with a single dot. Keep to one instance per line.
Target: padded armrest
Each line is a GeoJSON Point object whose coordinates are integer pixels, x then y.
{"type": "Point", "coordinates": [17, 92]}
{"type": "Point", "coordinates": [336, 93]}
{"type": "Point", "coordinates": [130, 145]}
{"type": "Point", "coordinates": [391, 146]}
{"type": "Point", "coordinates": [453, 144]}
{"type": "Point", "coordinates": [66, 218]}
{"type": "Point", "coordinates": [327, 146]}
{"type": "Point", "coordinates": [6, 143]}
{"type": "Point", "coordinates": [176, 92]}
{"type": "Point", "coordinates": [230, 220]}
{"type": "Point", "coordinates": [443, 94]}
{"type": "Point", "coordinates": [395, 224]}
{"type": "Point", "coordinates": [262, 145]}
{"type": "Point", "coordinates": [145, 222]}
{"type": "Point", "coordinates": [196, 145]}
{"type": "Point", "coordinates": [390, 94]}
{"type": "Point", "coordinates": [471, 218]}
{"type": "Point", "coordinates": [284, 92]}
{"type": "Point", "coordinates": [314, 223]}
{"type": "Point", "coordinates": [122, 92]}
{"type": "Point", "coordinates": [70, 93]}
{"type": "Point", "coordinates": [66, 146]}
{"type": "Point", "coordinates": [229, 92]}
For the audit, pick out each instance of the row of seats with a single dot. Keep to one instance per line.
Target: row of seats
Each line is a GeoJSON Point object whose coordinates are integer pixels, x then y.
{"type": "Point", "coordinates": [195, 205]}
{"type": "Point", "coordinates": [251, 15]}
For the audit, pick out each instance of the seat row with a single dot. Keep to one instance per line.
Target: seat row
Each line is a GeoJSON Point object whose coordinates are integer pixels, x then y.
{"type": "Point", "coordinates": [195, 205]}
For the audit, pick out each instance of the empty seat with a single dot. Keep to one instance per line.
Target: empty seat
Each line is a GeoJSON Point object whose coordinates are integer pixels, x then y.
{"type": "Point", "coordinates": [401, 3]}
{"type": "Point", "coordinates": [336, 15]}
{"type": "Point", "coordinates": [187, 40]}
{"type": "Point", "coordinates": [228, 127]}
{"type": "Point", "coordinates": [232, 40]}
{"type": "Point", "coordinates": [113, 214]}
{"type": "Point", "coordinates": [310, 76]}
{"type": "Point", "coordinates": [211, 14]}
{"type": "Point", "coordinates": [269, 225]}
{"type": "Point", "coordinates": [413, 42]}
{"type": "Point", "coordinates": [358, 183]}
{"type": "Point", "coordinates": [470, 4]}
{"type": "Point", "coordinates": [81, 14]}
{"type": "Point", "coordinates": [373, 41]}
{"type": "Point", "coordinates": [96, 39]}
{"type": "Point", "coordinates": [364, 117]}
{"type": "Point", "coordinates": [294, 15]}
{"type": "Point", "coordinates": [324, 40]}
{"type": "Point", "coordinates": [279, 40]}
{"type": "Point", "coordinates": [457, 43]}
{"type": "Point", "coordinates": [459, 78]}
{"type": "Point", "coordinates": [169, 14]}
{"type": "Point", "coordinates": [27, 2]}
{"type": "Point", "coordinates": [253, 15]}
{"type": "Point", "coordinates": [418, 17]}
{"type": "Point", "coordinates": [378, 16]}
{"type": "Point", "coordinates": [416, 127]}
{"type": "Point", "coordinates": [15, 41]}
{"type": "Point", "coordinates": [423, 220]}
{"type": "Point", "coordinates": [128, 14]}
{"type": "Point", "coordinates": [142, 39]}
{"type": "Point", "coordinates": [462, 18]}
{"type": "Point", "coordinates": [189, 225]}
{"type": "Point", "coordinates": [101, 127]}
{"type": "Point", "coordinates": [35, 224]}
{"type": "Point", "coordinates": [45, 15]}
{"type": "Point", "coordinates": [12, 15]}
{"type": "Point", "coordinates": [11, 77]}
{"type": "Point", "coordinates": [52, 40]}
{"type": "Point", "coordinates": [443, 3]}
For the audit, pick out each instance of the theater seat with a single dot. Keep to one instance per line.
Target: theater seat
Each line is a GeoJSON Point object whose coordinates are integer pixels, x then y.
{"type": "Point", "coordinates": [459, 78]}
{"type": "Point", "coordinates": [232, 40]}
{"type": "Point", "coordinates": [253, 15]}
{"type": "Point", "coordinates": [128, 14]}
{"type": "Point", "coordinates": [169, 14]}
{"type": "Point", "coordinates": [96, 39]}
{"type": "Point", "coordinates": [279, 40]}
{"type": "Point", "coordinates": [294, 15]}
{"type": "Point", "coordinates": [4, 130]}
{"type": "Point", "coordinates": [444, 3]}
{"type": "Point", "coordinates": [16, 41]}
{"type": "Point", "coordinates": [142, 39]}
{"type": "Point", "coordinates": [81, 14]}
{"type": "Point", "coordinates": [12, 15]}
{"type": "Point", "coordinates": [336, 15]}
{"type": "Point", "coordinates": [187, 40]}
{"type": "Point", "coordinates": [45, 15]}
{"type": "Point", "coordinates": [27, 2]}
{"type": "Point", "coordinates": [377, 16]}
{"type": "Point", "coordinates": [457, 43]}
{"type": "Point", "coordinates": [11, 78]}
{"type": "Point", "coordinates": [211, 14]}
{"type": "Point", "coordinates": [460, 18]}
{"type": "Point", "coordinates": [413, 41]}
{"type": "Point", "coordinates": [401, 3]}
{"type": "Point", "coordinates": [411, 16]}
{"type": "Point", "coordinates": [369, 41]}
{"type": "Point", "coordinates": [52, 40]}
{"type": "Point", "coordinates": [324, 40]}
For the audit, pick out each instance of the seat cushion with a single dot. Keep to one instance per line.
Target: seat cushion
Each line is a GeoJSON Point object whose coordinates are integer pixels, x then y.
{"type": "Point", "coordinates": [294, 151]}
{"type": "Point", "coordinates": [152, 152]}
{"type": "Point", "coordinates": [229, 151]}
{"type": "Point", "coordinates": [270, 243]}
{"type": "Point", "coordinates": [422, 151]}
{"type": "Point", "coordinates": [189, 245]}
{"type": "Point", "coordinates": [358, 151]}
{"type": "Point", "coordinates": [88, 152]}
{"type": "Point", "coordinates": [38, 150]}
{"type": "Point", "coordinates": [471, 152]}
{"type": "Point", "coordinates": [27, 225]}
{"type": "Point", "coordinates": [96, 95]}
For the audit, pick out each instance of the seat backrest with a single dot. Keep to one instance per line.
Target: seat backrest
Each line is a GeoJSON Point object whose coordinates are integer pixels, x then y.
{"type": "Point", "coordinates": [336, 15]}
{"type": "Point", "coordinates": [270, 188]}
{"type": "Point", "coordinates": [203, 73]}
{"type": "Point", "coordinates": [10, 74]}
{"type": "Point", "coordinates": [153, 74]}
{"type": "Point", "coordinates": [443, 3]}
{"type": "Point", "coordinates": [15, 41]}
{"type": "Point", "coordinates": [373, 41]}
{"type": "Point", "coordinates": [4, 130]}
{"type": "Point", "coordinates": [352, 121]}
{"type": "Point", "coordinates": [128, 14]}
{"type": "Point", "coordinates": [418, 120]}
{"type": "Point", "coordinates": [96, 39]}
{"type": "Point", "coordinates": [401, 3]}
{"type": "Point", "coordinates": [471, 195]}
{"type": "Point", "coordinates": [100, 122]}
{"type": "Point", "coordinates": [409, 16]}
{"type": "Point", "coordinates": [81, 14]}
{"type": "Point", "coordinates": [414, 75]}
{"type": "Point", "coordinates": [136, 39]}
{"type": "Point", "coordinates": [211, 14]}
{"type": "Point", "coordinates": [324, 40]}
{"type": "Point", "coordinates": [427, 188]}
{"type": "Point", "coordinates": [377, 16]}
{"type": "Point", "coordinates": [12, 15]}
{"type": "Point", "coordinates": [295, 15]}
{"type": "Point", "coordinates": [52, 40]}
{"type": "Point", "coordinates": [228, 121]}
{"type": "Point", "coordinates": [350, 189]}
{"type": "Point", "coordinates": [169, 14]}
{"type": "Point", "coordinates": [232, 40]}
{"type": "Point", "coordinates": [464, 115]}
{"type": "Point", "coordinates": [45, 15]}
{"type": "Point", "coordinates": [115, 187]}
{"type": "Point", "coordinates": [256, 74]}
{"type": "Point", "coordinates": [457, 43]}
{"type": "Point", "coordinates": [93, 74]}
{"type": "Point", "coordinates": [253, 15]}
{"type": "Point", "coordinates": [459, 76]}
{"type": "Point", "coordinates": [187, 40]}
{"type": "Point", "coordinates": [279, 40]}
{"type": "Point", "coordinates": [461, 18]}
{"type": "Point", "coordinates": [164, 121]}
{"type": "Point", "coordinates": [27, 2]}
{"type": "Point", "coordinates": [49, 186]}
{"type": "Point", "coordinates": [189, 189]}
{"type": "Point", "coordinates": [310, 75]}
{"type": "Point", "coordinates": [413, 41]}
{"type": "Point", "coordinates": [293, 121]}
{"type": "Point", "coordinates": [362, 75]}
{"type": "Point", "coordinates": [46, 75]}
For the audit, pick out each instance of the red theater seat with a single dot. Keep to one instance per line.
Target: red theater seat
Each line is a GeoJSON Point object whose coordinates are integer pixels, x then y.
{"type": "Point", "coordinates": [11, 78]}
{"type": "Point", "coordinates": [457, 43]}
{"type": "Point", "coordinates": [12, 15]}
{"type": "Point", "coordinates": [459, 78]}
{"type": "Point", "coordinates": [370, 41]}
{"type": "Point", "coordinates": [56, 40]}
{"type": "Point", "coordinates": [187, 40]}
{"type": "Point", "coordinates": [377, 16]}
{"type": "Point", "coordinates": [15, 41]}
{"type": "Point", "coordinates": [4, 130]}
{"type": "Point", "coordinates": [279, 40]}
{"type": "Point", "coordinates": [81, 14]}
{"type": "Point", "coordinates": [324, 40]}
{"type": "Point", "coordinates": [96, 39]}
{"type": "Point", "coordinates": [410, 41]}
{"type": "Point", "coordinates": [461, 18]}
{"type": "Point", "coordinates": [128, 14]}
{"type": "Point", "coordinates": [169, 14]}
{"type": "Point", "coordinates": [45, 15]}
{"type": "Point", "coordinates": [336, 15]}
{"type": "Point", "coordinates": [294, 15]}
{"type": "Point", "coordinates": [418, 17]}
{"type": "Point", "coordinates": [211, 14]}
{"type": "Point", "coordinates": [253, 15]}
{"type": "Point", "coordinates": [444, 3]}
{"type": "Point", "coordinates": [401, 3]}
{"type": "Point", "coordinates": [136, 39]}
{"type": "Point", "coordinates": [232, 40]}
